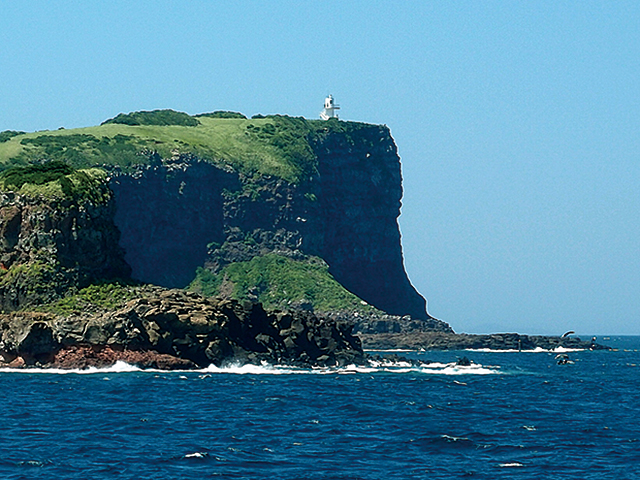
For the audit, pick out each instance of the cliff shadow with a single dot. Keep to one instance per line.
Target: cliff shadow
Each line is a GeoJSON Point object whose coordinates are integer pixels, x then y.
{"type": "Point", "coordinates": [167, 215]}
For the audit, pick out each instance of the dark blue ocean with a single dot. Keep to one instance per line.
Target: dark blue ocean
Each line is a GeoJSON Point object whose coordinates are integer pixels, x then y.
{"type": "Point", "coordinates": [511, 415]}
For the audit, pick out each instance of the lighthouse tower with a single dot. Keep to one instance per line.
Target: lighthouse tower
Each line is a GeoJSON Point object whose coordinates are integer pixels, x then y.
{"type": "Point", "coordinates": [330, 108]}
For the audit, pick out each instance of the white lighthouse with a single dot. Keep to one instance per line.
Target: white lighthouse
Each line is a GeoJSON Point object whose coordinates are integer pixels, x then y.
{"type": "Point", "coordinates": [330, 108]}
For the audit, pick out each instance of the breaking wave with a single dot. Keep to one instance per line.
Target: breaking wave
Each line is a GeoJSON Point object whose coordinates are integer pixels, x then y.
{"type": "Point", "coordinates": [118, 367]}
{"type": "Point", "coordinates": [371, 367]}
{"type": "Point", "coordinates": [535, 350]}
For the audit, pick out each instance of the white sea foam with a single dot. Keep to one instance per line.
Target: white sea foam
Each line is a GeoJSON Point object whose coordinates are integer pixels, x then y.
{"type": "Point", "coordinates": [450, 438]}
{"type": "Point", "coordinates": [118, 367]}
{"type": "Point", "coordinates": [535, 350]}
{"type": "Point", "coordinates": [196, 455]}
{"type": "Point", "coordinates": [491, 350]}
{"type": "Point", "coordinates": [371, 367]}
{"type": "Point", "coordinates": [394, 350]}
{"type": "Point", "coordinates": [513, 464]}
{"type": "Point", "coordinates": [454, 369]}
{"type": "Point", "coordinates": [564, 350]}
{"type": "Point", "coordinates": [250, 369]}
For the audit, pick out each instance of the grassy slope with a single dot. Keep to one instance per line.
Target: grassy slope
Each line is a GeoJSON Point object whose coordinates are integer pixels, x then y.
{"type": "Point", "coordinates": [278, 282]}
{"type": "Point", "coordinates": [105, 296]}
{"type": "Point", "coordinates": [273, 145]}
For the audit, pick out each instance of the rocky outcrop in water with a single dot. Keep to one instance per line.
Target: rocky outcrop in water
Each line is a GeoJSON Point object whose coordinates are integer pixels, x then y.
{"type": "Point", "coordinates": [434, 340]}
{"type": "Point", "coordinates": [170, 329]}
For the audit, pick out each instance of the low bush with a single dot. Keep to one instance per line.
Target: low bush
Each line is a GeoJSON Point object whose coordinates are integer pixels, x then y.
{"type": "Point", "coordinates": [37, 174]}
{"type": "Point", "coordinates": [154, 117]}
{"type": "Point", "coordinates": [8, 135]}
{"type": "Point", "coordinates": [221, 114]}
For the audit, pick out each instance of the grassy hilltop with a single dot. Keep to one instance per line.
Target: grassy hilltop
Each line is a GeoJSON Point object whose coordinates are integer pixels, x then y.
{"type": "Point", "coordinates": [273, 145]}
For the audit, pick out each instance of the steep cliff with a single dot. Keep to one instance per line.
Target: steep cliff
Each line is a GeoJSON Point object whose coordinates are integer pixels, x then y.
{"type": "Point", "coordinates": [167, 215]}
{"type": "Point", "coordinates": [285, 211]}
{"type": "Point", "coordinates": [345, 214]}
{"type": "Point", "coordinates": [57, 236]}
{"type": "Point", "coordinates": [361, 189]}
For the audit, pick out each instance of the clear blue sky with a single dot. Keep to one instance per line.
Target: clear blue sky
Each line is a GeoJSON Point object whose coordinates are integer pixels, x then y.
{"type": "Point", "coordinates": [518, 124]}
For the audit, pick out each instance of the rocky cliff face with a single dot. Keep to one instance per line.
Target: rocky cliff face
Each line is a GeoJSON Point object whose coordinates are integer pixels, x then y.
{"type": "Point", "coordinates": [167, 214]}
{"type": "Point", "coordinates": [50, 245]}
{"type": "Point", "coordinates": [181, 213]}
{"type": "Point", "coordinates": [361, 189]}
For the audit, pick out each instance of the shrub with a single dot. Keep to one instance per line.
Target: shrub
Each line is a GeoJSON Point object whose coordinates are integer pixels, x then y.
{"type": "Point", "coordinates": [81, 150]}
{"type": "Point", "coordinates": [38, 174]}
{"type": "Point", "coordinates": [221, 114]}
{"type": "Point", "coordinates": [8, 135]}
{"type": "Point", "coordinates": [154, 117]}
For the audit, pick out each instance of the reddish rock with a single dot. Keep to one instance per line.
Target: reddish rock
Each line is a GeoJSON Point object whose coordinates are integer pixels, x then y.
{"type": "Point", "coordinates": [86, 356]}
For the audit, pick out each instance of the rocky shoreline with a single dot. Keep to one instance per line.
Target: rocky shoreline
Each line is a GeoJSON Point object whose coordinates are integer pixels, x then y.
{"type": "Point", "coordinates": [173, 329]}
{"type": "Point", "coordinates": [463, 341]}
{"type": "Point", "coordinates": [390, 332]}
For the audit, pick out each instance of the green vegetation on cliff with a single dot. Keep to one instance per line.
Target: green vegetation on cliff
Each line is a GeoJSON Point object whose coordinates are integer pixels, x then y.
{"type": "Point", "coordinates": [221, 114]}
{"type": "Point", "coordinates": [279, 283]}
{"type": "Point", "coordinates": [38, 174]}
{"type": "Point", "coordinates": [102, 296]}
{"type": "Point", "coordinates": [56, 180]}
{"type": "Point", "coordinates": [274, 145]}
{"type": "Point", "coordinates": [34, 277]}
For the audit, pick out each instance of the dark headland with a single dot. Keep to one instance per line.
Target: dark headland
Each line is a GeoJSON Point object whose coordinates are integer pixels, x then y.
{"type": "Point", "coordinates": [174, 241]}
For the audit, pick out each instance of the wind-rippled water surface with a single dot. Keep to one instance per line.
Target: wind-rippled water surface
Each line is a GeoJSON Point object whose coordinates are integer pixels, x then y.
{"type": "Point", "coordinates": [512, 415]}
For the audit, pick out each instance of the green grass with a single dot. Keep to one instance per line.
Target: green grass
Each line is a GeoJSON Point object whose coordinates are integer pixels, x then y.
{"type": "Point", "coordinates": [107, 296]}
{"type": "Point", "coordinates": [34, 269]}
{"type": "Point", "coordinates": [279, 283]}
{"type": "Point", "coordinates": [274, 145]}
